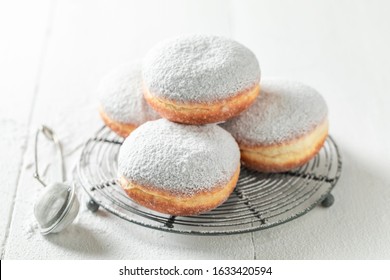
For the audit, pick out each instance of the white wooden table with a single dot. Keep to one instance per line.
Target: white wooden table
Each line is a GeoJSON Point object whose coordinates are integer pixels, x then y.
{"type": "Point", "coordinates": [53, 54]}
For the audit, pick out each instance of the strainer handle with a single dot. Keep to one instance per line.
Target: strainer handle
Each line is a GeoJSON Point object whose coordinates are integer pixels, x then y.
{"type": "Point", "coordinates": [50, 135]}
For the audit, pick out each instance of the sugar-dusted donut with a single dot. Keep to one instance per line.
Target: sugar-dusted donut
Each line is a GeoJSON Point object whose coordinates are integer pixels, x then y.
{"type": "Point", "coordinates": [199, 79]}
{"type": "Point", "coordinates": [284, 129]}
{"type": "Point", "coordinates": [179, 169]}
{"type": "Point", "coordinates": [122, 105]}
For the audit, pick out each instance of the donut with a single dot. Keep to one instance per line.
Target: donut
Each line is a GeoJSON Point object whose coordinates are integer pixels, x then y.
{"type": "Point", "coordinates": [200, 79]}
{"type": "Point", "coordinates": [122, 105]}
{"type": "Point", "coordinates": [179, 169]}
{"type": "Point", "coordinates": [284, 129]}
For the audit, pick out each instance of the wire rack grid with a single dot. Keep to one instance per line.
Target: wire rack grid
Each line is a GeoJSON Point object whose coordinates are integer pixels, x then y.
{"type": "Point", "coordinates": [259, 200]}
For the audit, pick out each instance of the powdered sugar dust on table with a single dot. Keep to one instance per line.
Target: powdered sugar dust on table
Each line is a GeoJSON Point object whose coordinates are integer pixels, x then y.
{"type": "Point", "coordinates": [259, 201]}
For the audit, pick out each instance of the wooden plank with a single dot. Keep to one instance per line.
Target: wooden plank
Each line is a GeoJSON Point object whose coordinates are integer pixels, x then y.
{"type": "Point", "coordinates": [340, 48]}
{"type": "Point", "coordinates": [23, 27]}
{"type": "Point", "coordinates": [88, 38]}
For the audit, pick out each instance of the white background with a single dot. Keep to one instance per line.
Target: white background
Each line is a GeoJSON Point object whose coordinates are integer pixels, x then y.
{"type": "Point", "coordinates": [280, 269]}
{"type": "Point", "coordinates": [54, 53]}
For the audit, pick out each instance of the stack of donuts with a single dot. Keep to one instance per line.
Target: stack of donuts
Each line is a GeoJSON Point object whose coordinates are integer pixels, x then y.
{"type": "Point", "coordinates": [193, 110]}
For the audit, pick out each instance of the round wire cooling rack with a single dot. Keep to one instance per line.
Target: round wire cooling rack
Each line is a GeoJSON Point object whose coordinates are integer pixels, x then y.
{"type": "Point", "coordinates": [259, 200]}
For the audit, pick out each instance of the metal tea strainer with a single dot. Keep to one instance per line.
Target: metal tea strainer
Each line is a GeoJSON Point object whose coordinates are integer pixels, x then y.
{"type": "Point", "coordinates": [57, 206]}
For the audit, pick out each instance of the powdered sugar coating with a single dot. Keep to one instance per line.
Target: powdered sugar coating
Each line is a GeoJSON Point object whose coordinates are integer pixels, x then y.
{"type": "Point", "coordinates": [180, 159]}
{"type": "Point", "coordinates": [200, 69]}
{"type": "Point", "coordinates": [283, 111]}
{"type": "Point", "coordinates": [121, 95]}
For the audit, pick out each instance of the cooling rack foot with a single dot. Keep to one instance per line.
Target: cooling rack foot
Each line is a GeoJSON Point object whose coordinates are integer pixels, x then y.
{"type": "Point", "coordinates": [92, 205]}
{"type": "Point", "coordinates": [328, 201]}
